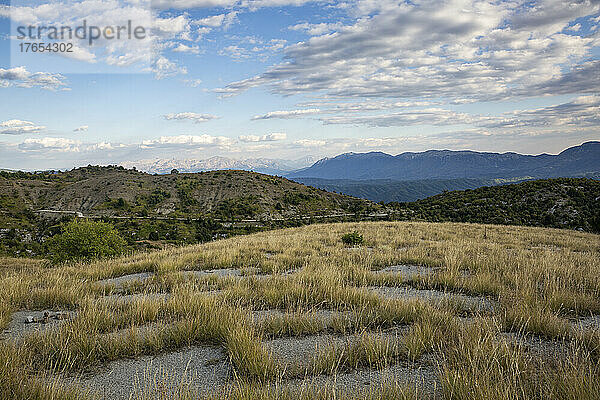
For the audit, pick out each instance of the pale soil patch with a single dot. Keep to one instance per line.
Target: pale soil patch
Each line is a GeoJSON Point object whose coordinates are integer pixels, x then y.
{"type": "Point", "coordinates": [198, 369]}
{"type": "Point", "coordinates": [300, 352]}
{"type": "Point", "coordinates": [472, 303]}
{"type": "Point", "coordinates": [421, 375]}
{"type": "Point", "coordinates": [408, 271]}
{"type": "Point", "coordinates": [544, 348]}
{"type": "Point", "coordinates": [324, 316]}
{"type": "Point", "coordinates": [129, 298]}
{"type": "Point", "coordinates": [224, 272]}
{"type": "Point", "coordinates": [591, 322]}
{"type": "Point", "coordinates": [125, 279]}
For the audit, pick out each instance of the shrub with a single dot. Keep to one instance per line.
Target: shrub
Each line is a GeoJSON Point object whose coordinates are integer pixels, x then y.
{"type": "Point", "coordinates": [352, 239]}
{"type": "Point", "coordinates": [85, 240]}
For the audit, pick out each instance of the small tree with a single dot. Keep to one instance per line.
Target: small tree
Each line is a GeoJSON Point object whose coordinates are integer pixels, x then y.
{"type": "Point", "coordinates": [85, 240]}
{"type": "Point", "coordinates": [352, 239]}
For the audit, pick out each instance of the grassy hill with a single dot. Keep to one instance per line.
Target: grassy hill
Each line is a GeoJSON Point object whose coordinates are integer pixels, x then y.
{"type": "Point", "coordinates": [420, 311]}
{"type": "Point", "coordinates": [154, 207]}
{"type": "Point", "coordinates": [115, 191]}
{"type": "Point", "coordinates": [572, 203]}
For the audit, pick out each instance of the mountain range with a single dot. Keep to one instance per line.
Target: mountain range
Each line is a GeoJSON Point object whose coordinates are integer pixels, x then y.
{"type": "Point", "coordinates": [405, 177]}
{"type": "Point", "coordinates": [260, 165]}
{"type": "Point", "coordinates": [578, 161]}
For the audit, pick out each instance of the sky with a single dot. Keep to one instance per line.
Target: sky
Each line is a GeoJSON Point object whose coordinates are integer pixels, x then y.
{"type": "Point", "coordinates": [287, 79]}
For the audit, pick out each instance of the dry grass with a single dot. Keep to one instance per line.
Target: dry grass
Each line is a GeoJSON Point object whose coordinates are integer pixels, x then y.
{"type": "Point", "coordinates": [540, 278]}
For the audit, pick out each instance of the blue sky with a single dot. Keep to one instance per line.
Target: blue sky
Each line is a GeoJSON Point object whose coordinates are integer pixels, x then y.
{"type": "Point", "coordinates": [285, 79]}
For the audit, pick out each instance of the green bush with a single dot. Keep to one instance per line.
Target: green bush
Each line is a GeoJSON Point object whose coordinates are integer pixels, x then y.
{"type": "Point", "coordinates": [85, 240]}
{"type": "Point", "coordinates": [352, 239]}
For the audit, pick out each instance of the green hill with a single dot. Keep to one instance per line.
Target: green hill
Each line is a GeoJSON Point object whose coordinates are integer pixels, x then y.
{"type": "Point", "coordinates": [572, 203]}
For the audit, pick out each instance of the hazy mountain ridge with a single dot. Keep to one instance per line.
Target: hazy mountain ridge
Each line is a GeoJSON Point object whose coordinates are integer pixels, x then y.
{"type": "Point", "coordinates": [401, 191]}
{"type": "Point", "coordinates": [583, 160]}
{"type": "Point", "coordinates": [261, 165]}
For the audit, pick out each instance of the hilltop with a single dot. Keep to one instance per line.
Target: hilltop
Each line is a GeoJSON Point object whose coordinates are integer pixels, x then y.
{"type": "Point", "coordinates": [558, 203]}
{"type": "Point", "coordinates": [174, 208]}
{"type": "Point", "coordinates": [116, 191]}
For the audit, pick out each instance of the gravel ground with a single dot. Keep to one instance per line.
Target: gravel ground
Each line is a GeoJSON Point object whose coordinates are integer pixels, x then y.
{"type": "Point", "coordinates": [301, 351]}
{"type": "Point", "coordinates": [420, 375]}
{"type": "Point", "coordinates": [408, 271]}
{"type": "Point", "coordinates": [200, 370]}
{"type": "Point", "coordinates": [128, 298]}
{"type": "Point", "coordinates": [121, 280]}
{"type": "Point", "coordinates": [473, 303]}
{"type": "Point", "coordinates": [18, 326]}
{"type": "Point", "coordinates": [547, 349]}
{"type": "Point", "coordinates": [216, 272]}
{"type": "Point", "coordinates": [324, 316]}
{"type": "Point", "coordinates": [591, 322]}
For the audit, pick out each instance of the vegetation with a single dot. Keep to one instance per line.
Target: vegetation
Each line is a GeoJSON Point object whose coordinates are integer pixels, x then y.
{"type": "Point", "coordinates": [154, 210]}
{"type": "Point", "coordinates": [555, 203]}
{"type": "Point", "coordinates": [353, 239]}
{"type": "Point", "coordinates": [85, 240]}
{"type": "Point", "coordinates": [541, 281]}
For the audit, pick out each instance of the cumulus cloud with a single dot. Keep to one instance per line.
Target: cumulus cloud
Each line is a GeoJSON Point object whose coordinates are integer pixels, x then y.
{"type": "Point", "coordinates": [191, 116]}
{"type": "Point", "coordinates": [162, 32]}
{"type": "Point", "coordinates": [271, 137]}
{"type": "Point", "coordinates": [316, 29]}
{"type": "Point", "coordinates": [183, 48]}
{"type": "Point", "coordinates": [185, 4]}
{"type": "Point", "coordinates": [287, 114]}
{"type": "Point", "coordinates": [163, 68]}
{"type": "Point", "coordinates": [21, 77]}
{"type": "Point", "coordinates": [19, 127]}
{"type": "Point", "coordinates": [452, 49]}
{"type": "Point", "coordinates": [430, 116]}
{"type": "Point", "coordinates": [581, 112]}
{"type": "Point", "coordinates": [212, 21]}
{"type": "Point", "coordinates": [49, 143]}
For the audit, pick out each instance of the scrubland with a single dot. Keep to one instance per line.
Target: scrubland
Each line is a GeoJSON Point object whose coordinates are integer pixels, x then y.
{"type": "Point", "coordinates": [499, 313]}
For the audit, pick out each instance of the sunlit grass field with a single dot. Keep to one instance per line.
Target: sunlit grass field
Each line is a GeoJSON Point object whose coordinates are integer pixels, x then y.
{"type": "Point", "coordinates": [541, 283]}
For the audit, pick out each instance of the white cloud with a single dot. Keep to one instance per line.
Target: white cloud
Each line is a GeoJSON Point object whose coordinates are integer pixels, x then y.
{"type": "Point", "coordinates": [163, 68]}
{"type": "Point", "coordinates": [212, 21]}
{"type": "Point", "coordinates": [458, 50]}
{"type": "Point", "coordinates": [429, 116]}
{"type": "Point", "coordinates": [185, 4]}
{"type": "Point", "coordinates": [82, 128]}
{"type": "Point", "coordinates": [271, 137]}
{"type": "Point", "coordinates": [21, 77]}
{"type": "Point", "coordinates": [197, 118]}
{"type": "Point", "coordinates": [287, 114]}
{"type": "Point", "coordinates": [19, 127]}
{"type": "Point", "coordinates": [316, 29]}
{"type": "Point", "coordinates": [183, 48]}
{"type": "Point", "coordinates": [193, 82]}
{"type": "Point", "coordinates": [48, 143]}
